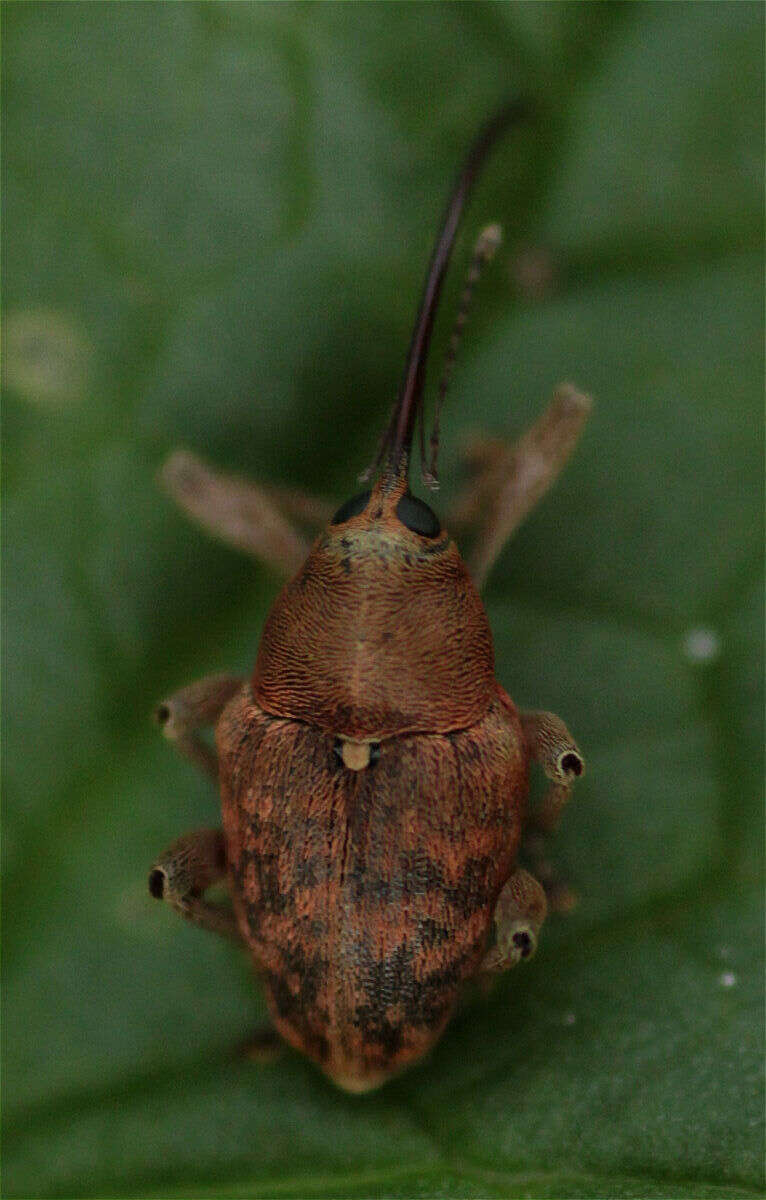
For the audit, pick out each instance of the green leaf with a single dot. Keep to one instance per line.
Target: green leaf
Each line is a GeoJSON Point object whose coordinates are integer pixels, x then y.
{"type": "Point", "coordinates": [219, 216]}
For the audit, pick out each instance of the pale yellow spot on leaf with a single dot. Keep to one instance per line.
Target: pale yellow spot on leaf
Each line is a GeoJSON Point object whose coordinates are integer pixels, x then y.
{"type": "Point", "coordinates": [46, 357]}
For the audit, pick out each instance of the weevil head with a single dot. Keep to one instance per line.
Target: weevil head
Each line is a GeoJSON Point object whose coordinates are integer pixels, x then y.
{"type": "Point", "coordinates": [389, 520]}
{"type": "Point", "coordinates": [382, 631]}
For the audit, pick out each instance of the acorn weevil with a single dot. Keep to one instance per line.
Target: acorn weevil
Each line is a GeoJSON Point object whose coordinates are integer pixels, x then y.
{"type": "Point", "coordinates": [373, 772]}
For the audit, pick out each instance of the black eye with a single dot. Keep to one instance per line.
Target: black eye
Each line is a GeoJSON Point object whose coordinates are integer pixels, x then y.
{"type": "Point", "coordinates": [351, 508]}
{"type": "Point", "coordinates": [417, 516]}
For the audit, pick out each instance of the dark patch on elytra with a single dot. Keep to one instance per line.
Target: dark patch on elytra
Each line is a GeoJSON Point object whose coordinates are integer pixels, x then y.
{"type": "Point", "coordinates": [273, 897]}
{"type": "Point", "coordinates": [385, 982]}
{"type": "Point", "coordinates": [378, 1029]}
{"type": "Point", "coordinates": [312, 869]}
{"type": "Point", "coordinates": [436, 992]}
{"type": "Point", "coordinates": [419, 874]}
{"type": "Point", "coordinates": [291, 1008]}
{"type": "Point", "coordinates": [471, 892]}
{"type": "Point", "coordinates": [393, 985]}
{"type": "Point", "coordinates": [310, 969]}
{"type": "Point", "coordinates": [262, 881]}
{"type": "Point", "coordinates": [430, 933]}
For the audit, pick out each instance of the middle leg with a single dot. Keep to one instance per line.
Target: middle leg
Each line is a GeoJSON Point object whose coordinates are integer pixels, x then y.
{"type": "Point", "coordinates": [182, 875]}
{"type": "Point", "coordinates": [550, 743]}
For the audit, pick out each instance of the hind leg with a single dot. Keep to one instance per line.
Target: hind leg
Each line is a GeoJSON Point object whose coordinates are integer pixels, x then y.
{"type": "Point", "coordinates": [519, 913]}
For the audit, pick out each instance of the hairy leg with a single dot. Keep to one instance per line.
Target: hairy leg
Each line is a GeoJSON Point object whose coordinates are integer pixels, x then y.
{"type": "Point", "coordinates": [183, 874]}
{"type": "Point", "coordinates": [519, 913]}
{"type": "Point", "coordinates": [192, 708]}
{"type": "Point", "coordinates": [249, 517]}
{"type": "Point", "coordinates": [550, 743]}
{"type": "Point", "coordinates": [508, 480]}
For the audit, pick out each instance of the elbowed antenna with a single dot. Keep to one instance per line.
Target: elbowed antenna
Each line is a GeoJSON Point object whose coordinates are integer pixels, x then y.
{"type": "Point", "coordinates": [397, 441]}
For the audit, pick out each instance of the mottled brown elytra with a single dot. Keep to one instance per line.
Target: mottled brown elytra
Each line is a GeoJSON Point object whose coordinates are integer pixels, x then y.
{"type": "Point", "coordinates": [373, 772]}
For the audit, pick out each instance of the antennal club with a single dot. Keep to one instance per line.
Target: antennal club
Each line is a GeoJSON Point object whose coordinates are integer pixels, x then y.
{"type": "Point", "coordinates": [484, 251]}
{"type": "Point", "coordinates": [398, 439]}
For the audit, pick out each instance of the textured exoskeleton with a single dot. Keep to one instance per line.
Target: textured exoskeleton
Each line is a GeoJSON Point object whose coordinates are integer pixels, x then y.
{"type": "Point", "coordinates": [373, 772]}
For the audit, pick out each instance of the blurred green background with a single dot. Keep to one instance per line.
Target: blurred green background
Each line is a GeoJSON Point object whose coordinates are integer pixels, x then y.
{"type": "Point", "coordinates": [217, 221]}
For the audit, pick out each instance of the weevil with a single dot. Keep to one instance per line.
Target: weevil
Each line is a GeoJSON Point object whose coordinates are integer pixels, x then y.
{"type": "Point", "coordinates": [373, 772]}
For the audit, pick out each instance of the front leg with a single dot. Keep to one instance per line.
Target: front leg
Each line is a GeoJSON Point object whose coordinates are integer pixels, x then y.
{"type": "Point", "coordinates": [192, 708]}
{"type": "Point", "coordinates": [519, 913]}
{"type": "Point", "coordinates": [183, 874]}
{"type": "Point", "coordinates": [550, 743]}
{"type": "Point", "coordinates": [258, 520]}
{"type": "Point", "coordinates": [510, 479]}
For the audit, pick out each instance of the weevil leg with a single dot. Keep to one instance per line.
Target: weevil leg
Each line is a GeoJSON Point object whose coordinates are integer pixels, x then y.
{"type": "Point", "coordinates": [311, 512]}
{"type": "Point", "coordinates": [560, 896]}
{"type": "Point", "coordinates": [248, 517]}
{"type": "Point", "coordinates": [192, 708]}
{"type": "Point", "coordinates": [550, 743]}
{"type": "Point", "coordinates": [510, 479]}
{"type": "Point", "coordinates": [183, 874]}
{"type": "Point", "coordinates": [263, 1045]}
{"type": "Point", "coordinates": [519, 913]}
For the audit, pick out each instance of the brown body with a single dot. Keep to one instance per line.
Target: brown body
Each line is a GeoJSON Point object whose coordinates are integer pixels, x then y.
{"type": "Point", "coordinates": [381, 632]}
{"type": "Point", "coordinates": [367, 896]}
{"type": "Point", "coordinates": [373, 773]}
